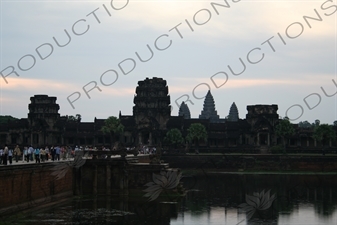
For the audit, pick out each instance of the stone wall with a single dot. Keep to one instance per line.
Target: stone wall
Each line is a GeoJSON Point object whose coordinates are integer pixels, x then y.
{"type": "Point", "coordinates": [114, 177]}
{"type": "Point", "coordinates": [27, 186]}
{"type": "Point", "coordinates": [253, 162]}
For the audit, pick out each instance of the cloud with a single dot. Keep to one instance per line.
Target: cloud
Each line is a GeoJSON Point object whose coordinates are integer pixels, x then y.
{"type": "Point", "coordinates": [182, 85]}
{"type": "Point", "coordinates": [48, 85]}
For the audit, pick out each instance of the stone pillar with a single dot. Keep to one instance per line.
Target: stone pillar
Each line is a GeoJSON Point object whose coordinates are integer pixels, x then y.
{"type": "Point", "coordinates": [140, 141]}
{"type": "Point", "coordinates": [121, 178]}
{"type": "Point", "coordinates": [108, 180]}
{"type": "Point", "coordinates": [268, 141]}
{"type": "Point", "coordinates": [150, 138]}
{"type": "Point", "coordinates": [31, 138]}
{"type": "Point", "coordinates": [94, 189]}
{"type": "Point", "coordinates": [315, 194]}
{"type": "Point", "coordinates": [75, 181]}
{"type": "Point", "coordinates": [258, 139]}
{"type": "Point", "coordinates": [307, 141]}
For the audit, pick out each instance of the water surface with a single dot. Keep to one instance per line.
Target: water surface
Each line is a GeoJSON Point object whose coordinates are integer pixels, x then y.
{"type": "Point", "coordinates": [211, 198]}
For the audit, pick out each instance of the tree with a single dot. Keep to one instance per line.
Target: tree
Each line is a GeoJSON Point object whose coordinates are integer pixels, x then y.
{"type": "Point", "coordinates": [317, 123]}
{"type": "Point", "coordinates": [284, 129]}
{"type": "Point", "coordinates": [112, 126]}
{"type": "Point", "coordinates": [304, 124]}
{"type": "Point", "coordinates": [174, 137]}
{"type": "Point", "coordinates": [195, 133]}
{"type": "Point", "coordinates": [324, 133]}
{"type": "Point", "coordinates": [5, 119]}
{"type": "Point", "coordinates": [335, 123]}
{"type": "Point", "coordinates": [76, 118]}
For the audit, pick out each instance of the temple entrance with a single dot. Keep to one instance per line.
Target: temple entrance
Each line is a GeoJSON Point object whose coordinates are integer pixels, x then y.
{"type": "Point", "coordinates": [145, 138]}
{"type": "Point", "coordinates": [263, 139]}
{"type": "Point", "coordinates": [263, 142]}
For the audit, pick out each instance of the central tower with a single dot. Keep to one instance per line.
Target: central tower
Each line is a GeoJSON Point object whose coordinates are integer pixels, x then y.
{"type": "Point", "coordinates": [209, 111]}
{"type": "Point", "coordinates": [152, 109]}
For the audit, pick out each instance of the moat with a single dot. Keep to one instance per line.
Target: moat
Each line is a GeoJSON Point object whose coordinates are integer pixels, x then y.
{"type": "Point", "coordinates": [212, 198]}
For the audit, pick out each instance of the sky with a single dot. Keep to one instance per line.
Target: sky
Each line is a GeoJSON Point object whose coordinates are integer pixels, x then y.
{"type": "Point", "coordinates": [91, 55]}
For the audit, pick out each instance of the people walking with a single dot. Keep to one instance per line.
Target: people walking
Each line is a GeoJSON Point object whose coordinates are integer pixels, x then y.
{"type": "Point", "coordinates": [57, 153]}
{"type": "Point", "coordinates": [30, 153]}
{"type": "Point", "coordinates": [25, 154]}
{"type": "Point", "coordinates": [1, 154]}
{"type": "Point", "coordinates": [43, 154]}
{"type": "Point", "coordinates": [5, 155]}
{"type": "Point", "coordinates": [63, 153]}
{"type": "Point", "coordinates": [17, 153]}
{"type": "Point", "coordinates": [10, 156]}
{"type": "Point", "coordinates": [37, 155]}
{"type": "Point", "coordinates": [47, 153]}
{"type": "Point", "coordinates": [52, 151]}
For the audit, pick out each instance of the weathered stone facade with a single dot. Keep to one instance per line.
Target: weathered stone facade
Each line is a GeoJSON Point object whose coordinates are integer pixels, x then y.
{"type": "Point", "coordinates": [152, 110]}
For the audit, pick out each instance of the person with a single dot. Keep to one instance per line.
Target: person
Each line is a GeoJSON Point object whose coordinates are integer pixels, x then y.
{"type": "Point", "coordinates": [47, 153]}
{"type": "Point", "coordinates": [5, 155]}
{"type": "Point", "coordinates": [17, 153]}
{"type": "Point", "coordinates": [52, 151]}
{"type": "Point", "coordinates": [10, 156]}
{"type": "Point", "coordinates": [63, 152]}
{"type": "Point", "coordinates": [57, 153]}
{"type": "Point", "coordinates": [1, 154]}
{"type": "Point", "coordinates": [30, 153]}
{"type": "Point", "coordinates": [37, 155]}
{"type": "Point", "coordinates": [25, 154]}
{"type": "Point", "coordinates": [43, 154]}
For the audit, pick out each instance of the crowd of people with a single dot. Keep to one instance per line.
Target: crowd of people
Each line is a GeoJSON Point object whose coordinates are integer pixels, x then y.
{"type": "Point", "coordinates": [8, 154]}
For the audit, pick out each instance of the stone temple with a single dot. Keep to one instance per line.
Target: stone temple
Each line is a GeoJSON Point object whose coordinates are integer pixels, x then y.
{"type": "Point", "coordinates": [184, 111]}
{"type": "Point", "coordinates": [209, 111]}
{"type": "Point", "coordinates": [150, 122]}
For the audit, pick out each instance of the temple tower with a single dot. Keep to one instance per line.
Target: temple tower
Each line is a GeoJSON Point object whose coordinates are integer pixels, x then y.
{"type": "Point", "coordinates": [233, 113]}
{"type": "Point", "coordinates": [263, 119]}
{"type": "Point", "coordinates": [43, 107]}
{"type": "Point", "coordinates": [152, 110]}
{"type": "Point", "coordinates": [184, 111]}
{"type": "Point", "coordinates": [209, 111]}
{"type": "Point", "coordinates": [43, 114]}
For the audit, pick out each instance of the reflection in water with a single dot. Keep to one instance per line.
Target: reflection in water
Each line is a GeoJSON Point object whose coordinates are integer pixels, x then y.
{"type": "Point", "coordinates": [211, 199]}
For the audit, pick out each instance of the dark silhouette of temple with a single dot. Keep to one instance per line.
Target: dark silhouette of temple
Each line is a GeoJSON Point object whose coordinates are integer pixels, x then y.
{"type": "Point", "coordinates": [209, 111]}
{"type": "Point", "coordinates": [184, 111]}
{"type": "Point", "coordinates": [150, 122]}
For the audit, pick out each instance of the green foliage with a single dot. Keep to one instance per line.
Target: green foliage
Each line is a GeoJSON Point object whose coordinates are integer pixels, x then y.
{"type": "Point", "coordinates": [284, 128]}
{"type": "Point", "coordinates": [196, 132]}
{"type": "Point", "coordinates": [323, 133]}
{"type": "Point", "coordinates": [335, 123]}
{"type": "Point", "coordinates": [5, 119]}
{"type": "Point", "coordinates": [174, 137]}
{"type": "Point", "coordinates": [276, 149]}
{"type": "Point", "coordinates": [76, 118]}
{"type": "Point", "coordinates": [112, 125]}
{"type": "Point", "coordinates": [304, 124]}
{"type": "Point", "coordinates": [316, 123]}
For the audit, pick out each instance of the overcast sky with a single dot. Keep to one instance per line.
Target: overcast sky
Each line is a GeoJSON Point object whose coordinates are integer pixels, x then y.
{"type": "Point", "coordinates": [287, 58]}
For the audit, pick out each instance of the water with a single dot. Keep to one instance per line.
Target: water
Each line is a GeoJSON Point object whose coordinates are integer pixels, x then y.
{"type": "Point", "coordinates": [211, 199]}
